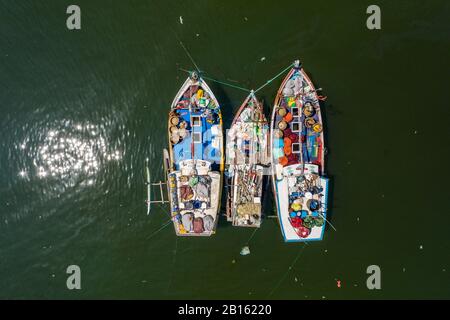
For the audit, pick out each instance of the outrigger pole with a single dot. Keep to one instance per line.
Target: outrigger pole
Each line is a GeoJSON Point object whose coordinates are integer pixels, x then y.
{"type": "Point", "coordinates": [148, 182]}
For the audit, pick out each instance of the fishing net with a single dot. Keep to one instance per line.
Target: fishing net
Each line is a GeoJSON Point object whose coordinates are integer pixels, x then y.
{"type": "Point", "coordinates": [319, 221]}
{"type": "Point", "coordinates": [187, 221]}
{"type": "Point", "coordinates": [202, 190]}
{"type": "Point", "coordinates": [208, 223]}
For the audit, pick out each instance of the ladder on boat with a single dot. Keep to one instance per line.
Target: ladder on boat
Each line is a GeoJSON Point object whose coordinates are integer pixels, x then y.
{"type": "Point", "coordinates": [158, 185]}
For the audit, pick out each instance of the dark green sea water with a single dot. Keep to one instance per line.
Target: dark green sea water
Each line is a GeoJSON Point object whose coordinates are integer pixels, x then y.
{"type": "Point", "coordinates": [81, 110]}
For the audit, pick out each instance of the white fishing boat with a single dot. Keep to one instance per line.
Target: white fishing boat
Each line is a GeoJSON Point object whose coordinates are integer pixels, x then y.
{"type": "Point", "coordinates": [298, 162]}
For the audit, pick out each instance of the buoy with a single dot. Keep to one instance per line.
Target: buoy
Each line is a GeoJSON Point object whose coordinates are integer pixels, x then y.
{"type": "Point", "coordinates": [308, 110]}
{"type": "Point", "coordinates": [282, 111]}
{"type": "Point", "coordinates": [313, 204]}
{"type": "Point", "coordinates": [296, 206]}
{"type": "Point", "coordinates": [174, 120]}
{"type": "Point", "coordinates": [317, 127]}
{"type": "Point", "coordinates": [282, 125]}
{"type": "Point", "coordinates": [288, 117]}
{"type": "Point", "coordinates": [287, 142]}
{"type": "Point", "coordinates": [309, 122]}
{"type": "Point", "coordinates": [287, 150]}
{"type": "Point", "coordinates": [283, 161]}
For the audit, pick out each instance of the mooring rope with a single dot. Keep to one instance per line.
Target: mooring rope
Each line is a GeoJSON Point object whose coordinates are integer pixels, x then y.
{"type": "Point", "coordinates": [288, 270]}
{"type": "Point", "coordinates": [227, 84]}
{"type": "Point", "coordinates": [251, 237]}
{"type": "Point", "coordinates": [277, 76]}
{"type": "Point", "coordinates": [189, 55]}
{"type": "Point", "coordinates": [157, 231]}
{"type": "Point", "coordinates": [218, 81]}
{"type": "Point", "coordinates": [233, 85]}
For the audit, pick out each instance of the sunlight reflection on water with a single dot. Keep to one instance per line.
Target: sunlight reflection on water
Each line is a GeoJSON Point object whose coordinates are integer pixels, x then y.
{"type": "Point", "coordinates": [69, 152]}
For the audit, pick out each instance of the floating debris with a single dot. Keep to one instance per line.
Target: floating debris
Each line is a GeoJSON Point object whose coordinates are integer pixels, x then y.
{"type": "Point", "coordinates": [338, 283]}
{"type": "Point", "coordinates": [295, 279]}
{"type": "Point", "coordinates": [416, 132]}
{"type": "Point", "coordinates": [233, 261]}
{"type": "Point", "coordinates": [245, 251]}
{"type": "Point", "coordinates": [181, 19]}
{"type": "Point", "coordinates": [404, 269]}
{"type": "Point", "coordinates": [245, 18]}
{"type": "Point", "coordinates": [262, 59]}
{"type": "Point", "coordinates": [421, 247]}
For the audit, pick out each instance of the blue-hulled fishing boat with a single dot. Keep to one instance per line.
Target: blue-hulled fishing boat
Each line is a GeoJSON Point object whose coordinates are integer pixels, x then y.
{"type": "Point", "coordinates": [195, 159]}
{"type": "Point", "coordinates": [298, 162]}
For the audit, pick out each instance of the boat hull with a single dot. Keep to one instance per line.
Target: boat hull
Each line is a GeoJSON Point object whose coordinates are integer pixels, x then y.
{"type": "Point", "coordinates": [248, 156]}
{"type": "Point", "coordinates": [195, 160]}
{"type": "Point", "coordinates": [298, 159]}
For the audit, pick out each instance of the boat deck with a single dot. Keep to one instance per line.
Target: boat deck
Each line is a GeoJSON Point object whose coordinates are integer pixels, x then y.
{"type": "Point", "coordinates": [196, 159]}
{"type": "Point", "coordinates": [247, 153]}
{"type": "Point", "coordinates": [298, 159]}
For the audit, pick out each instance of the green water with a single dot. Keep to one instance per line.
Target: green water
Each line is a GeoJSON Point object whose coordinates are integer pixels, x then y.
{"type": "Point", "coordinates": [81, 110]}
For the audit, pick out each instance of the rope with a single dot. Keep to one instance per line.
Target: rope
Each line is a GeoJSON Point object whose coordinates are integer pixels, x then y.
{"type": "Point", "coordinates": [218, 81]}
{"type": "Point", "coordinates": [227, 84]}
{"type": "Point", "coordinates": [288, 270]}
{"type": "Point", "coordinates": [189, 55]}
{"type": "Point", "coordinates": [157, 231]}
{"type": "Point", "coordinates": [278, 75]}
{"type": "Point", "coordinates": [251, 237]}
{"type": "Point", "coordinates": [232, 85]}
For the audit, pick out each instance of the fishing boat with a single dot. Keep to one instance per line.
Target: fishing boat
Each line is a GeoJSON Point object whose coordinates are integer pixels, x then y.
{"type": "Point", "coordinates": [298, 163]}
{"type": "Point", "coordinates": [248, 154]}
{"type": "Point", "coordinates": [195, 160]}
